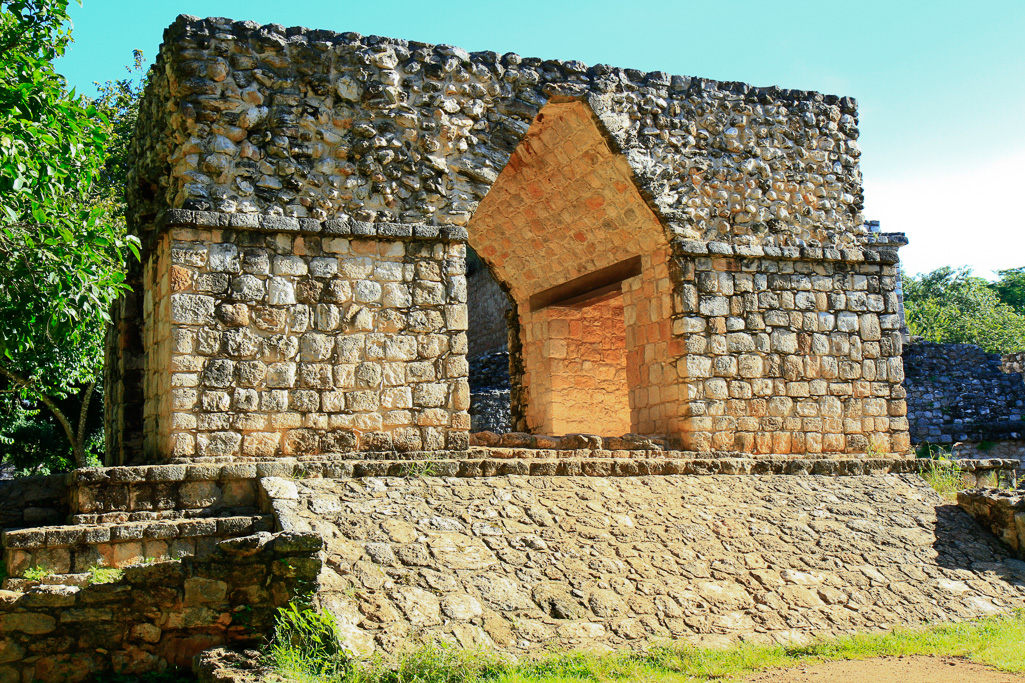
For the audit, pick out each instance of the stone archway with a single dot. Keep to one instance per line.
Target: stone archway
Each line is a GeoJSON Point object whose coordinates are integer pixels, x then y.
{"type": "Point", "coordinates": [586, 261]}
{"type": "Point", "coordinates": [303, 199]}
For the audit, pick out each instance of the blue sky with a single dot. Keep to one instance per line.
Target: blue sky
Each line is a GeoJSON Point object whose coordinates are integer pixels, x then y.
{"type": "Point", "coordinates": [941, 85]}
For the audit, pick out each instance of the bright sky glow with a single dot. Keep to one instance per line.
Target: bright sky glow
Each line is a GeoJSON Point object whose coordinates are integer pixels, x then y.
{"type": "Point", "coordinates": [941, 84]}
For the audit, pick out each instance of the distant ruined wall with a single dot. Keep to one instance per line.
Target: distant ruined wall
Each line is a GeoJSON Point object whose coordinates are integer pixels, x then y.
{"type": "Point", "coordinates": [960, 393]}
{"type": "Point", "coordinates": [30, 501]}
{"type": "Point", "coordinates": [1013, 362]}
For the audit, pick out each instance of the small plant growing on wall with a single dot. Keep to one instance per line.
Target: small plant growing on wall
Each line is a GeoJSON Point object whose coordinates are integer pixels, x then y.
{"type": "Point", "coordinates": [100, 574]}
{"type": "Point", "coordinates": [37, 573]}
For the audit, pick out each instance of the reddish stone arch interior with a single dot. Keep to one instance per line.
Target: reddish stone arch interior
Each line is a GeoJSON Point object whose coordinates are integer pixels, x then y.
{"type": "Point", "coordinates": [586, 262]}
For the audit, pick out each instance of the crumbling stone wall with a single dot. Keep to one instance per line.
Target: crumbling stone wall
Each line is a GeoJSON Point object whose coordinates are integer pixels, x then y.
{"type": "Point", "coordinates": [30, 501]}
{"type": "Point", "coordinates": [570, 181]}
{"type": "Point", "coordinates": [999, 511]}
{"type": "Point", "coordinates": [960, 393]}
{"type": "Point", "coordinates": [157, 615]}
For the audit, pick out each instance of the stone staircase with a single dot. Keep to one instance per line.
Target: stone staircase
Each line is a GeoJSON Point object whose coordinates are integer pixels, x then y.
{"type": "Point", "coordinates": [127, 516]}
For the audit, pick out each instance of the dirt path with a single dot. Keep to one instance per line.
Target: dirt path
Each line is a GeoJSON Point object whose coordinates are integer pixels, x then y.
{"type": "Point", "coordinates": [890, 670]}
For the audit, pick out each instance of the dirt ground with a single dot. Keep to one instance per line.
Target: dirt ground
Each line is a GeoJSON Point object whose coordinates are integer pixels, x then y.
{"type": "Point", "coordinates": [890, 670]}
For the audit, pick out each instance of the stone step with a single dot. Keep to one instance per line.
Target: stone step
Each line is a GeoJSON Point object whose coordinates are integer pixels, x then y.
{"type": "Point", "coordinates": [162, 489]}
{"type": "Point", "coordinates": [21, 585]}
{"type": "Point", "coordinates": [76, 548]}
{"type": "Point", "coordinates": [156, 515]}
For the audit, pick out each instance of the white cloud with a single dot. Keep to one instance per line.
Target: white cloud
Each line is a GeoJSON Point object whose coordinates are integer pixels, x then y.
{"type": "Point", "coordinates": [966, 216]}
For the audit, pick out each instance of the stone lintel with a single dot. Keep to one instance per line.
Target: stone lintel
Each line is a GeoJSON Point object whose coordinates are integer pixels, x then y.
{"type": "Point", "coordinates": [884, 253]}
{"type": "Point", "coordinates": [340, 226]}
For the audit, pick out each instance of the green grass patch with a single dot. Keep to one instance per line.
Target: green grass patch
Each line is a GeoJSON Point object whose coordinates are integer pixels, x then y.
{"type": "Point", "coordinates": [945, 479]}
{"type": "Point", "coordinates": [298, 658]}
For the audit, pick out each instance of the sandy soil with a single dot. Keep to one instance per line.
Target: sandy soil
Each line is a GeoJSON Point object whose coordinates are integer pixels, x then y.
{"type": "Point", "coordinates": [890, 670]}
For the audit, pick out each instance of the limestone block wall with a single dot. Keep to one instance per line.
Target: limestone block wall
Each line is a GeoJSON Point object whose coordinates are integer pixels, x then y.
{"type": "Point", "coordinates": [791, 355]}
{"type": "Point", "coordinates": [582, 351]}
{"type": "Point", "coordinates": [271, 343]}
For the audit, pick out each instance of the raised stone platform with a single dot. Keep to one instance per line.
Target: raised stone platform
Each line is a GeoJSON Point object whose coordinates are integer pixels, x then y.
{"type": "Point", "coordinates": [526, 562]}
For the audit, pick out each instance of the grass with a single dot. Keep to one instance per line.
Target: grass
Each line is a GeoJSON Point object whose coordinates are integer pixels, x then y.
{"type": "Point", "coordinates": [994, 641]}
{"type": "Point", "coordinates": [945, 479]}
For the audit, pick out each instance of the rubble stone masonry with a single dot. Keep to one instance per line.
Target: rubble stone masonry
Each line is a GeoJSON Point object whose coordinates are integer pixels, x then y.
{"type": "Point", "coordinates": [303, 198]}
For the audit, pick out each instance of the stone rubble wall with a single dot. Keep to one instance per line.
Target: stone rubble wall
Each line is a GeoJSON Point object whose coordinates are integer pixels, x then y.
{"type": "Point", "coordinates": [1013, 362]}
{"type": "Point", "coordinates": [157, 615]}
{"type": "Point", "coordinates": [999, 511]}
{"type": "Point", "coordinates": [487, 306]}
{"type": "Point", "coordinates": [1003, 449]}
{"type": "Point", "coordinates": [311, 123]}
{"type": "Point", "coordinates": [490, 393]}
{"type": "Point", "coordinates": [960, 393]}
{"type": "Point", "coordinates": [538, 520]}
{"type": "Point", "coordinates": [527, 563]}
{"type": "Point", "coordinates": [31, 501]}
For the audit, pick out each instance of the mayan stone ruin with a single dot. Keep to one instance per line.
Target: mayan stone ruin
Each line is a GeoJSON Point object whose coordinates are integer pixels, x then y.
{"type": "Point", "coordinates": [707, 435]}
{"type": "Point", "coordinates": [683, 259]}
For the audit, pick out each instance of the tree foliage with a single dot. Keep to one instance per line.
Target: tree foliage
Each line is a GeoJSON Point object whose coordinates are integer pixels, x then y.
{"type": "Point", "coordinates": [61, 246]}
{"type": "Point", "coordinates": [1011, 288]}
{"type": "Point", "coordinates": [953, 306]}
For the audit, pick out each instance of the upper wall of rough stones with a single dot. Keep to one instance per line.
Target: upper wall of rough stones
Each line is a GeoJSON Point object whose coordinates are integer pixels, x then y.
{"type": "Point", "coordinates": [247, 119]}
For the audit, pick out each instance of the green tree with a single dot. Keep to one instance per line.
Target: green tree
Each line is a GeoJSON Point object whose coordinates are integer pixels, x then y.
{"type": "Point", "coordinates": [953, 306]}
{"type": "Point", "coordinates": [118, 101]}
{"type": "Point", "coordinates": [1011, 288]}
{"type": "Point", "coordinates": [61, 252]}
